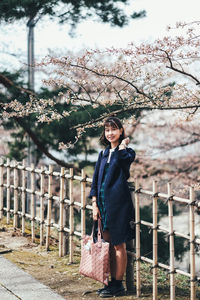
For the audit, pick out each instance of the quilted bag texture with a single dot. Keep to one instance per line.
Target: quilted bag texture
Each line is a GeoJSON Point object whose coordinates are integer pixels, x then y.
{"type": "Point", "coordinates": [95, 258]}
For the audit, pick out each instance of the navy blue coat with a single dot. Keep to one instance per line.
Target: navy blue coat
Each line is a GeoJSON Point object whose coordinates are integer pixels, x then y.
{"type": "Point", "coordinates": [118, 202]}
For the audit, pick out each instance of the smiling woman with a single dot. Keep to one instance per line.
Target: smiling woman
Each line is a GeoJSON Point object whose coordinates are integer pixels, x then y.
{"type": "Point", "coordinates": [111, 200]}
{"type": "Point", "coordinates": [113, 133]}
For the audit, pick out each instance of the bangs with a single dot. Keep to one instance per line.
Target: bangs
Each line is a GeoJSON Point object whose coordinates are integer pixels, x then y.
{"type": "Point", "coordinates": [111, 123]}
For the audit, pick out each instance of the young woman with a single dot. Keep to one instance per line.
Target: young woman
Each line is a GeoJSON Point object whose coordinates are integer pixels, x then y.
{"type": "Point", "coordinates": [111, 200]}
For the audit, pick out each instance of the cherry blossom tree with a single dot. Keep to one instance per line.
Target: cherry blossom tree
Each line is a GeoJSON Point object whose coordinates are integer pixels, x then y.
{"type": "Point", "coordinates": [162, 75]}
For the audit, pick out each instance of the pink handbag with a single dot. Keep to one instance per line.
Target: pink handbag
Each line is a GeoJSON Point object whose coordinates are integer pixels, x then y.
{"type": "Point", "coordinates": [95, 257]}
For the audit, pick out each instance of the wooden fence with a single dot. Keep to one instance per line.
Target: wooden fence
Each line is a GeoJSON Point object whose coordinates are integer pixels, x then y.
{"type": "Point", "coordinates": [42, 193]}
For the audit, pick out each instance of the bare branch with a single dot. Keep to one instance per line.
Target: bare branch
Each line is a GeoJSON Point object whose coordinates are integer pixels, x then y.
{"type": "Point", "coordinates": [132, 108]}
{"type": "Point", "coordinates": [180, 71]}
{"type": "Point", "coordinates": [114, 76]}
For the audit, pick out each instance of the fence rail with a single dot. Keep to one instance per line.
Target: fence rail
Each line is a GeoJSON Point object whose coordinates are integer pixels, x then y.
{"type": "Point", "coordinates": [14, 193]}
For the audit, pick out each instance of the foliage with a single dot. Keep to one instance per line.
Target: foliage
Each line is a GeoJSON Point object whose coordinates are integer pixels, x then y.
{"type": "Point", "coordinates": [136, 78]}
{"type": "Point", "coordinates": [108, 11]}
{"type": "Point", "coordinates": [48, 134]}
{"type": "Point", "coordinates": [142, 77]}
{"type": "Point", "coordinates": [73, 12]}
{"type": "Point", "coordinates": [18, 146]}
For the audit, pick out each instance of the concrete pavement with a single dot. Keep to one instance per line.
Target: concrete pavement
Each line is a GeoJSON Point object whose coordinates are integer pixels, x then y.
{"type": "Point", "coordinates": [17, 284]}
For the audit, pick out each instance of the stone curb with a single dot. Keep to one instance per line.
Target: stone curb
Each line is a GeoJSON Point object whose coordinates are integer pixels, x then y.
{"type": "Point", "coordinates": [17, 284]}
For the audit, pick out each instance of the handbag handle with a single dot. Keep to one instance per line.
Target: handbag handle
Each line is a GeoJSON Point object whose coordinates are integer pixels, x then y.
{"type": "Point", "coordinates": [99, 232]}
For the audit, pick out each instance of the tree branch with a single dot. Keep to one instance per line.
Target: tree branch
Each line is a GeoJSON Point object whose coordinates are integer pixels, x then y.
{"type": "Point", "coordinates": [132, 109]}
{"type": "Point", "coordinates": [179, 71]}
{"type": "Point", "coordinates": [8, 84]}
{"type": "Point", "coordinates": [168, 146]}
{"type": "Point", "coordinates": [116, 77]}
{"type": "Point", "coordinates": [40, 146]}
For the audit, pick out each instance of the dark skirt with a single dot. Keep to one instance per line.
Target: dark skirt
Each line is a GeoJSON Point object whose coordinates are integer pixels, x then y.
{"type": "Point", "coordinates": [101, 201]}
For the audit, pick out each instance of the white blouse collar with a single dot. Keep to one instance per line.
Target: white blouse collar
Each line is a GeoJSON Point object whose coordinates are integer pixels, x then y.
{"type": "Point", "coordinates": [110, 153]}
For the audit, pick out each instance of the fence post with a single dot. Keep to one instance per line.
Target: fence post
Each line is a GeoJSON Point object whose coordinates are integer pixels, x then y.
{"type": "Point", "coordinates": [32, 203]}
{"type": "Point", "coordinates": [1, 188]}
{"type": "Point", "coordinates": [137, 221]}
{"type": "Point", "coordinates": [71, 217]}
{"type": "Point", "coordinates": [83, 202]}
{"type": "Point", "coordinates": [171, 242]}
{"type": "Point", "coordinates": [62, 181]}
{"type": "Point", "coordinates": [192, 246]}
{"type": "Point", "coordinates": [23, 197]}
{"type": "Point", "coordinates": [8, 191]}
{"type": "Point", "coordinates": [49, 207]}
{"type": "Point", "coordinates": [130, 250]}
{"type": "Point", "coordinates": [16, 217]}
{"type": "Point", "coordinates": [42, 206]}
{"type": "Point", "coordinates": [155, 241]}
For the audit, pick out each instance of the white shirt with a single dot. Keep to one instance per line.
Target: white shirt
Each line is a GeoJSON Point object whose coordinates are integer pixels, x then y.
{"type": "Point", "coordinates": [110, 153]}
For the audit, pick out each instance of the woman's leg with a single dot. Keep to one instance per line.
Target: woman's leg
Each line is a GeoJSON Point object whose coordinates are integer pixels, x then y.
{"type": "Point", "coordinates": [112, 262]}
{"type": "Point", "coordinates": [118, 258]}
{"type": "Point", "coordinates": [106, 237]}
{"type": "Point", "coordinates": [121, 260]}
{"type": "Point", "coordinates": [118, 267]}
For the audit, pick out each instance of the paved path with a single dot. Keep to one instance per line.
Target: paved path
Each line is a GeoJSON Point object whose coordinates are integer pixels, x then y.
{"type": "Point", "coordinates": [17, 284]}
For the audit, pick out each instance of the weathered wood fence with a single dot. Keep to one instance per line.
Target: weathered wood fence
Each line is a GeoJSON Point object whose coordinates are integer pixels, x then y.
{"type": "Point", "coordinates": [13, 201]}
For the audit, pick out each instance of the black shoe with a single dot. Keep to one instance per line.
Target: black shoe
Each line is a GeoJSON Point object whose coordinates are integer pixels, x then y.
{"type": "Point", "coordinates": [104, 288]}
{"type": "Point", "coordinates": [113, 291]}
{"type": "Point", "coordinates": [101, 290]}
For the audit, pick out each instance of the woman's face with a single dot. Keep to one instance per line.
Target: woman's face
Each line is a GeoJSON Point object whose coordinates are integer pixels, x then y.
{"type": "Point", "coordinates": [112, 134]}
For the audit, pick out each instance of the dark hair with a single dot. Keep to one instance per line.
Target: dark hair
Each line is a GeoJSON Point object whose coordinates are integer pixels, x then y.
{"type": "Point", "coordinates": [114, 123]}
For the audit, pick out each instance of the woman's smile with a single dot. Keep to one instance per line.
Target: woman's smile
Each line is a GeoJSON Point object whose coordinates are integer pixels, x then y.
{"type": "Point", "coordinates": [110, 137]}
{"type": "Point", "coordinates": [112, 134]}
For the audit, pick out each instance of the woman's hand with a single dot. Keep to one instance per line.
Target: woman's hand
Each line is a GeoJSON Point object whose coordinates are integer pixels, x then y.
{"type": "Point", "coordinates": [95, 210]}
{"type": "Point", "coordinates": [124, 143]}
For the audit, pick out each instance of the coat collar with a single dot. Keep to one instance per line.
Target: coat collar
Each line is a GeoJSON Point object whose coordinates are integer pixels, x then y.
{"type": "Point", "coordinates": [106, 151]}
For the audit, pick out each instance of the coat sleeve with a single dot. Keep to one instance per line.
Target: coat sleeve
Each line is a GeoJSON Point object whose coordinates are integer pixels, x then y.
{"type": "Point", "coordinates": [93, 191]}
{"type": "Point", "coordinates": [126, 155]}
{"type": "Point", "coordinates": [125, 158]}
